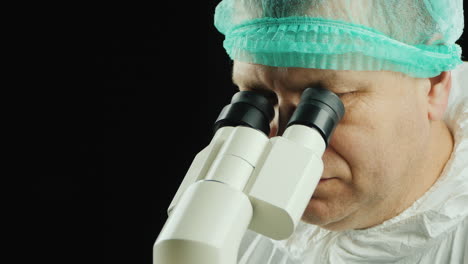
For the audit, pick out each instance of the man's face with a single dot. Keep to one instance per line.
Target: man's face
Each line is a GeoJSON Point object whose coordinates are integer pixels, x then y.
{"type": "Point", "coordinates": [375, 150]}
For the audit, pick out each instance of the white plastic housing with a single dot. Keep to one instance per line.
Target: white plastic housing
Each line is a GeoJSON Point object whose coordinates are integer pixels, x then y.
{"type": "Point", "coordinates": [210, 213]}
{"type": "Point", "coordinates": [205, 227]}
{"type": "Point", "coordinates": [240, 180]}
{"type": "Point", "coordinates": [238, 157]}
{"type": "Point", "coordinates": [201, 163]}
{"type": "Point", "coordinates": [284, 181]}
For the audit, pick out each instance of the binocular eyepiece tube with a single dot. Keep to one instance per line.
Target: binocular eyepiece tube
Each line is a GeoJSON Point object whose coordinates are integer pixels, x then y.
{"type": "Point", "coordinates": [318, 108]}
{"type": "Point", "coordinates": [245, 180]}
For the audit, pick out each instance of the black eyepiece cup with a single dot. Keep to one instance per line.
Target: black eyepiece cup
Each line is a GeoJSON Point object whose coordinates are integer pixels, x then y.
{"type": "Point", "coordinates": [319, 108]}
{"type": "Point", "coordinates": [247, 108]}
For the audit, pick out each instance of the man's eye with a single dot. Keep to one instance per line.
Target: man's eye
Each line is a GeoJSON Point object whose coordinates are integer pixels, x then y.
{"type": "Point", "coordinates": [344, 94]}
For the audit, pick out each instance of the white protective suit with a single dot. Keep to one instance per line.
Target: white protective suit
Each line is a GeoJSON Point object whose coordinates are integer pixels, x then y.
{"type": "Point", "coordinates": [433, 230]}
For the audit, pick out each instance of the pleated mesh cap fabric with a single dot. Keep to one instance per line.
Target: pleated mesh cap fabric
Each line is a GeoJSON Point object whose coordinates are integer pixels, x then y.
{"type": "Point", "coordinates": [415, 37]}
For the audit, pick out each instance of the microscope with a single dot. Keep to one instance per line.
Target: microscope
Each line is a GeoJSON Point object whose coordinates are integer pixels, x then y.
{"type": "Point", "coordinates": [245, 180]}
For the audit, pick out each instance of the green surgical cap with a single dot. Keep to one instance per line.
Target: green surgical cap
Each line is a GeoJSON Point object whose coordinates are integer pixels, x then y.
{"type": "Point", "coordinates": [415, 37]}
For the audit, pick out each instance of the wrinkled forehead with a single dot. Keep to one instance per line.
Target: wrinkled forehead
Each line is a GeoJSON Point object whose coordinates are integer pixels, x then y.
{"type": "Point", "coordinates": [250, 74]}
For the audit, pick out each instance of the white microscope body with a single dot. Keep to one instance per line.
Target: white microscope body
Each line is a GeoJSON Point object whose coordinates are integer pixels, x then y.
{"type": "Point", "coordinates": [243, 180]}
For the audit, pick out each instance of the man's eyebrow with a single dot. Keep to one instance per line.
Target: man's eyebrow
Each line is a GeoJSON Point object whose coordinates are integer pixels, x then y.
{"type": "Point", "coordinates": [330, 84]}
{"type": "Point", "coordinates": [340, 86]}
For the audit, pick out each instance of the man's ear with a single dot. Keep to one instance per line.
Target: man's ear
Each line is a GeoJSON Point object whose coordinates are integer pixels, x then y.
{"type": "Point", "coordinates": [438, 95]}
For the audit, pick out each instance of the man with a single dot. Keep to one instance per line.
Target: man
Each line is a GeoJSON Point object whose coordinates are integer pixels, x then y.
{"type": "Point", "coordinates": [395, 182]}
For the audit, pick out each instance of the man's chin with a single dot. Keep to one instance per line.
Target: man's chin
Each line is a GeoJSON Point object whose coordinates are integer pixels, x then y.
{"type": "Point", "coordinates": [317, 212]}
{"type": "Point", "coordinates": [320, 213]}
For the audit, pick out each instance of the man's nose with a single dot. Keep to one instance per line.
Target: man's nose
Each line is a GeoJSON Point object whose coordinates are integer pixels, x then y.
{"type": "Point", "coordinates": [283, 112]}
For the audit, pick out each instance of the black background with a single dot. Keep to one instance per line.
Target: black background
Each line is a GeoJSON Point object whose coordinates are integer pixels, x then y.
{"type": "Point", "coordinates": [151, 82]}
